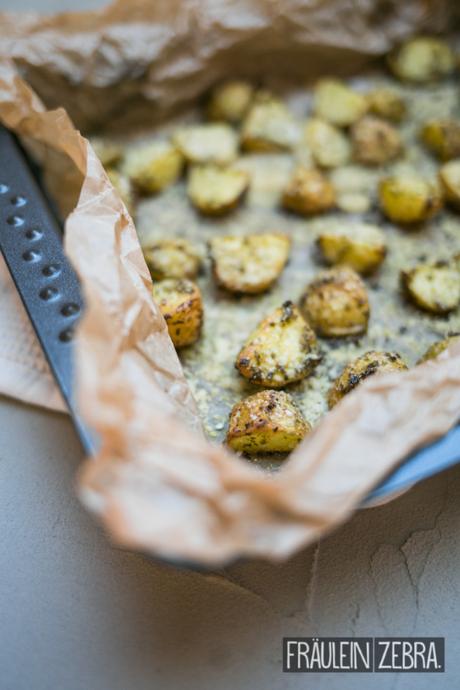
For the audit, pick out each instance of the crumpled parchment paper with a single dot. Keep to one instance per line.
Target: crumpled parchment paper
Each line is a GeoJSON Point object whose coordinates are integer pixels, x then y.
{"type": "Point", "coordinates": [156, 483]}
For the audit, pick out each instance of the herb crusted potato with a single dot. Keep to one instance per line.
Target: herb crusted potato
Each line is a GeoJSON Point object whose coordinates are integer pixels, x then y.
{"type": "Point", "coordinates": [449, 177]}
{"type": "Point", "coordinates": [387, 103]}
{"type": "Point", "coordinates": [442, 137]}
{"type": "Point", "coordinates": [215, 191]}
{"type": "Point", "coordinates": [409, 199]}
{"type": "Point", "coordinates": [175, 258]}
{"type": "Point", "coordinates": [153, 166]}
{"type": "Point", "coordinates": [282, 349]}
{"type": "Point", "coordinates": [439, 346]}
{"type": "Point", "coordinates": [433, 287]}
{"type": "Point", "coordinates": [182, 308]}
{"type": "Point", "coordinates": [329, 146]}
{"type": "Point", "coordinates": [337, 103]}
{"type": "Point", "coordinates": [422, 59]}
{"type": "Point", "coordinates": [361, 368]}
{"type": "Point", "coordinates": [375, 141]}
{"type": "Point", "coordinates": [336, 303]}
{"type": "Point", "coordinates": [216, 144]}
{"type": "Point", "coordinates": [230, 101]}
{"type": "Point", "coordinates": [358, 245]}
{"type": "Point", "coordinates": [248, 264]}
{"type": "Point", "coordinates": [266, 422]}
{"type": "Point", "coordinates": [269, 127]}
{"type": "Point", "coordinates": [308, 192]}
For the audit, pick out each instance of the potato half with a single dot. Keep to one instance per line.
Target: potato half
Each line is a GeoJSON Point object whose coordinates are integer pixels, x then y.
{"type": "Point", "coordinates": [440, 346]}
{"type": "Point", "coordinates": [361, 368]}
{"type": "Point", "coordinates": [329, 146]}
{"type": "Point", "coordinates": [359, 245]}
{"type": "Point", "coordinates": [336, 303]}
{"type": "Point", "coordinates": [409, 198]}
{"type": "Point", "coordinates": [267, 422]}
{"type": "Point", "coordinates": [174, 258]}
{"type": "Point", "coordinates": [182, 308]}
{"type": "Point", "coordinates": [230, 101]}
{"type": "Point", "coordinates": [308, 192]}
{"type": "Point", "coordinates": [422, 59]}
{"type": "Point", "coordinates": [216, 144]}
{"type": "Point", "coordinates": [249, 264]}
{"type": "Point", "coordinates": [153, 166]}
{"type": "Point", "coordinates": [433, 287]}
{"type": "Point", "coordinates": [449, 177]}
{"type": "Point", "coordinates": [215, 191]}
{"type": "Point", "coordinates": [282, 349]}
{"type": "Point", "coordinates": [442, 137]}
{"type": "Point", "coordinates": [375, 141]}
{"type": "Point", "coordinates": [269, 127]}
{"type": "Point", "coordinates": [387, 103]}
{"type": "Point", "coordinates": [337, 103]}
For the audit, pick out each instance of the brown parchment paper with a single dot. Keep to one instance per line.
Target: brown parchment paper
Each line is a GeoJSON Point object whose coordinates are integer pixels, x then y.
{"type": "Point", "coordinates": [156, 483]}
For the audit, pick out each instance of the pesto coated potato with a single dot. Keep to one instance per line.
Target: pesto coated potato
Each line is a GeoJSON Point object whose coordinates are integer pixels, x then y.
{"type": "Point", "coordinates": [442, 137]}
{"type": "Point", "coordinates": [337, 103]}
{"type": "Point", "coordinates": [433, 287]}
{"type": "Point", "coordinates": [230, 101]}
{"type": "Point", "coordinates": [215, 144]}
{"type": "Point", "coordinates": [409, 198]}
{"type": "Point", "coordinates": [175, 258]}
{"type": "Point", "coordinates": [359, 245]}
{"type": "Point", "coordinates": [182, 308]}
{"type": "Point", "coordinates": [153, 166]}
{"type": "Point", "coordinates": [269, 127]}
{"type": "Point", "coordinates": [422, 59]}
{"type": "Point", "coordinates": [282, 349]}
{"type": "Point", "coordinates": [329, 146]}
{"type": "Point", "coordinates": [449, 177]}
{"type": "Point", "coordinates": [123, 186]}
{"type": "Point", "coordinates": [361, 368]}
{"type": "Point", "coordinates": [336, 303]}
{"type": "Point", "coordinates": [387, 103]}
{"type": "Point", "coordinates": [439, 346]}
{"type": "Point", "coordinates": [375, 141]}
{"type": "Point", "coordinates": [215, 191]}
{"type": "Point", "coordinates": [249, 264]}
{"type": "Point", "coordinates": [266, 422]}
{"type": "Point", "coordinates": [308, 192]}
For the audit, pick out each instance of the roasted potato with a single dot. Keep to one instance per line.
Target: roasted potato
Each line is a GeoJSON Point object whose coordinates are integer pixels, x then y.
{"type": "Point", "coordinates": [336, 303]}
{"type": "Point", "coordinates": [449, 177]}
{"type": "Point", "coordinates": [215, 191]}
{"type": "Point", "coordinates": [358, 245]}
{"type": "Point", "coordinates": [375, 141]}
{"type": "Point", "coordinates": [182, 308]}
{"type": "Point", "coordinates": [108, 152]}
{"type": "Point", "coordinates": [175, 258]}
{"type": "Point", "coordinates": [387, 103]}
{"type": "Point", "coordinates": [433, 287]}
{"type": "Point", "coordinates": [409, 198]}
{"type": "Point", "coordinates": [153, 166]}
{"type": "Point", "coordinates": [329, 146]}
{"type": "Point", "coordinates": [281, 350]}
{"type": "Point", "coordinates": [123, 186]}
{"type": "Point", "coordinates": [361, 368]}
{"type": "Point", "coordinates": [422, 59]}
{"type": "Point", "coordinates": [266, 422]}
{"type": "Point", "coordinates": [336, 103]}
{"type": "Point", "coordinates": [269, 127]}
{"type": "Point", "coordinates": [354, 188]}
{"type": "Point", "coordinates": [440, 346]}
{"type": "Point", "coordinates": [308, 192]}
{"type": "Point", "coordinates": [249, 264]}
{"type": "Point", "coordinates": [442, 137]}
{"type": "Point", "coordinates": [216, 144]}
{"type": "Point", "coordinates": [230, 101]}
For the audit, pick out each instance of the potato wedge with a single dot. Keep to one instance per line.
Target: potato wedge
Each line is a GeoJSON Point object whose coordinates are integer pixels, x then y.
{"type": "Point", "coordinates": [375, 141]}
{"type": "Point", "coordinates": [216, 144]}
{"type": "Point", "coordinates": [182, 308]}
{"type": "Point", "coordinates": [449, 177]}
{"type": "Point", "coordinates": [337, 103]}
{"type": "Point", "coordinates": [442, 137]}
{"type": "Point", "coordinates": [123, 186]}
{"type": "Point", "coordinates": [439, 346]}
{"type": "Point", "coordinates": [358, 245]}
{"type": "Point", "coordinates": [249, 264]}
{"type": "Point", "coordinates": [361, 368]}
{"type": "Point", "coordinates": [266, 422]}
{"type": "Point", "coordinates": [329, 146]}
{"type": "Point", "coordinates": [175, 258]}
{"type": "Point", "coordinates": [308, 192]}
{"type": "Point", "coordinates": [387, 103]}
{"type": "Point", "coordinates": [230, 101]}
{"type": "Point", "coordinates": [433, 287]}
{"type": "Point", "coordinates": [153, 166]}
{"type": "Point", "coordinates": [215, 191]}
{"type": "Point", "coordinates": [108, 152]}
{"type": "Point", "coordinates": [282, 349]}
{"type": "Point", "coordinates": [409, 198]}
{"type": "Point", "coordinates": [269, 127]}
{"type": "Point", "coordinates": [336, 303]}
{"type": "Point", "coordinates": [422, 59]}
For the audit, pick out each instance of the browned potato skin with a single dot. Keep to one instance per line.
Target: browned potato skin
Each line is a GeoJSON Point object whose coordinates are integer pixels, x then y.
{"type": "Point", "coordinates": [361, 368]}
{"type": "Point", "coordinates": [442, 137]}
{"type": "Point", "coordinates": [438, 347]}
{"type": "Point", "coordinates": [387, 103]}
{"type": "Point", "coordinates": [336, 303]}
{"type": "Point", "coordinates": [267, 422]}
{"type": "Point", "coordinates": [408, 200]}
{"type": "Point", "coordinates": [420, 281]}
{"type": "Point", "coordinates": [175, 258]}
{"type": "Point", "coordinates": [181, 305]}
{"type": "Point", "coordinates": [308, 192]}
{"type": "Point", "coordinates": [375, 141]}
{"type": "Point", "coordinates": [358, 245]}
{"type": "Point", "coordinates": [269, 359]}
